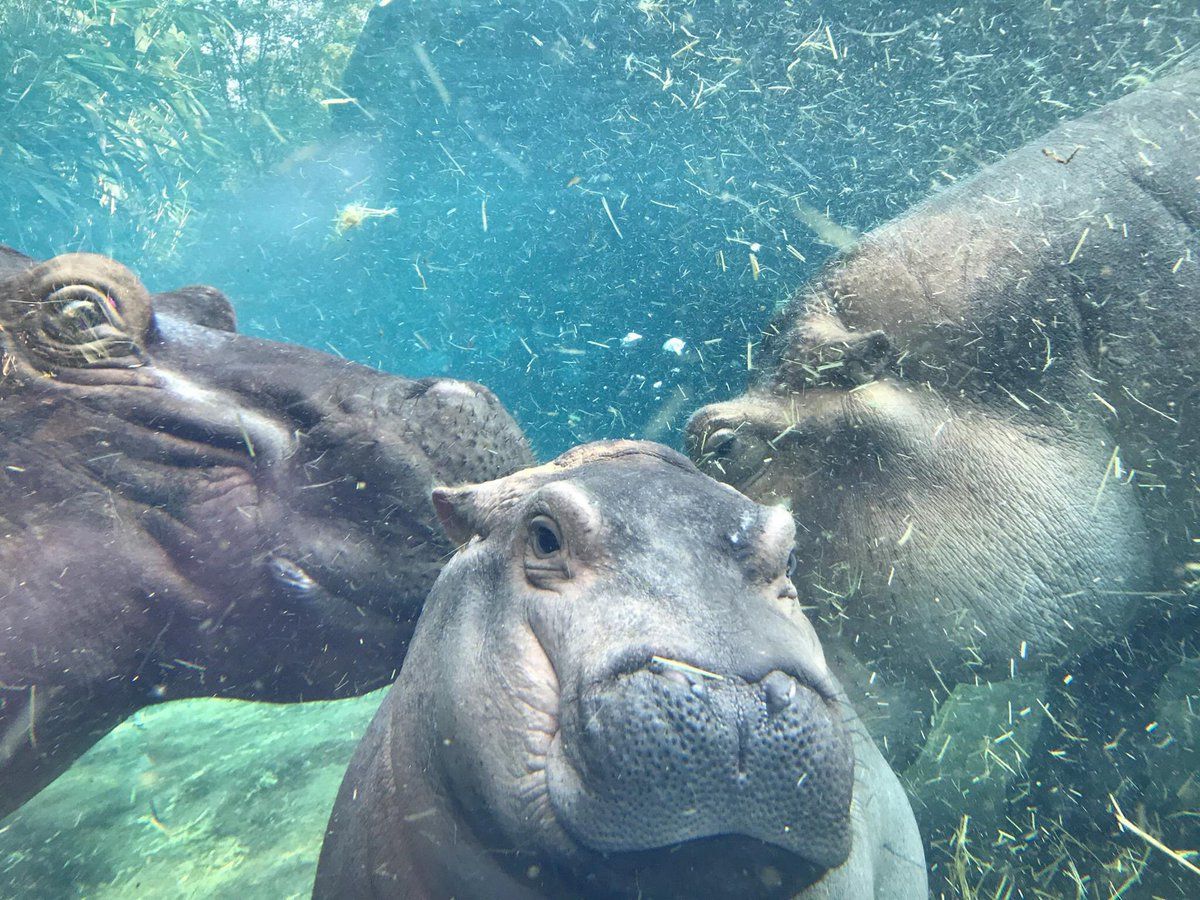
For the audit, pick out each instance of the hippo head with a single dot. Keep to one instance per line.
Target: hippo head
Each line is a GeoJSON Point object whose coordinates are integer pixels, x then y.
{"type": "Point", "coordinates": [928, 414]}
{"type": "Point", "coordinates": [627, 690]}
{"type": "Point", "coordinates": [257, 513]}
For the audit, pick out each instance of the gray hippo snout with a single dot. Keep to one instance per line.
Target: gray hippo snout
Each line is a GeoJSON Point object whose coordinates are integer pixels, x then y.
{"type": "Point", "coordinates": [672, 752]}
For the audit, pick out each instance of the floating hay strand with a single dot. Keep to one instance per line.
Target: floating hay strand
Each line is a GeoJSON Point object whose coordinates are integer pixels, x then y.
{"type": "Point", "coordinates": [608, 212]}
{"type": "Point", "coordinates": [1063, 160]}
{"type": "Point", "coordinates": [1127, 825]}
{"type": "Point", "coordinates": [1079, 246]}
{"type": "Point", "coordinates": [963, 861]}
{"type": "Point", "coordinates": [824, 228]}
{"type": "Point", "coordinates": [685, 668]}
{"type": "Point", "coordinates": [1113, 469]}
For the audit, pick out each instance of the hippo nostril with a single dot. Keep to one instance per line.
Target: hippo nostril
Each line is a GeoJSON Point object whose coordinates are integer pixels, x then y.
{"type": "Point", "coordinates": [878, 343]}
{"type": "Point", "coordinates": [779, 689]}
{"type": "Point", "coordinates": [867, 357]}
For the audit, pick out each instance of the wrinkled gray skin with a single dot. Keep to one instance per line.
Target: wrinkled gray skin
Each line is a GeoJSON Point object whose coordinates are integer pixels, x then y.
{"type": "Point", "coordinates": [533, 746]}
{"type": "Point", "coordinates": [984, 415]}
{"type": "Point", "coordinates": [185, 511]}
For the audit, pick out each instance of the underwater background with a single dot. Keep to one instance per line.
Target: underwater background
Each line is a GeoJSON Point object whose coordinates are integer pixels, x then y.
{"type": "Point", "coordinates": [513, 193]}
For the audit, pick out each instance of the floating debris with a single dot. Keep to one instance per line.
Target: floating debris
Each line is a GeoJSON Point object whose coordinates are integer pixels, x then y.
{"type": "Point", "coordinates": [1063, 160]}
{"type": "Point", "coordinates": [353, 215]}
{"type": "Point", "coordinates": [674, 345]}
{"type": "Point", "coordinates": [608, 212]}
{"type": "Point", "coordinates": [630, 339]}
{"type": "Point", "coordinates": [1180, 856]}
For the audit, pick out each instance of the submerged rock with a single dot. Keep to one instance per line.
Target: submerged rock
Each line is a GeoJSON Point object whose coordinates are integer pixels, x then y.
{"type": "Point", "coordinates": [971, 766]}
{"type": "Point", "coordinates": [200, 798]}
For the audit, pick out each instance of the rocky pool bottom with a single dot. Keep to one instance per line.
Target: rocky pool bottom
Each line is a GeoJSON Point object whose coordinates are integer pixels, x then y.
{"type": "Point", "coordinates": [215, 798]}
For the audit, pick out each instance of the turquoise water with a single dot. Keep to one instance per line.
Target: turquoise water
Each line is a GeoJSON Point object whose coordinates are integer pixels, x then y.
{"type": "Point", "coordinates": [670, 170]}
{"type": "Point", "coordinates": [694, 176]}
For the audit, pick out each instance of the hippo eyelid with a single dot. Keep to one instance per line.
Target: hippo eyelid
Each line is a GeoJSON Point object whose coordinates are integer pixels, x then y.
{"type": "Point", "coordinates": [77, 307]}
{"type": "Point", "coordinates": [69, 295]}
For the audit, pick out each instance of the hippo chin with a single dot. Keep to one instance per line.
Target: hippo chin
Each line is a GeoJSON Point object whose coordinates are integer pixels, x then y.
{"type": "Point", "coordinates": [185, 511]}
{"type": "Point", "coordinates": [612, 691]}
{"type": "Point", "coordinates": [983, 416]}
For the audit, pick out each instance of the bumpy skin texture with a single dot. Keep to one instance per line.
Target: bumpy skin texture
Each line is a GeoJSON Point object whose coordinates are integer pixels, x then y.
{"type": "Point", "coordinates": [636, 706]}
{"type": "Point", "coordinates": [984, 416]}
{"type": "Point", "coordinates": [185, 511]}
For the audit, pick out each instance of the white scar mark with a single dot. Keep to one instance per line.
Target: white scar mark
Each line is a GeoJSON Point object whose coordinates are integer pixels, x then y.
{"type": "Point", "coordinates": [185, 389]}
{"type": "Point", "coordinates": [221, 405]}
{"type": "Point", "coordinates": [738, 536]}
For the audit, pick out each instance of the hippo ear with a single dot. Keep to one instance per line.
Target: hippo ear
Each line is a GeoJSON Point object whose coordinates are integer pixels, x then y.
{"type": "Point", "coordinates": [458, 511]}
{"type": "Point", "coordinates": [198, 304]}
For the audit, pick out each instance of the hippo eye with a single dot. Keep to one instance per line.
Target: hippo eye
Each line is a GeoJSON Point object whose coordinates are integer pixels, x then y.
{"type": "Point", "coordinates": [544, 537]}
{"type": "Point", "coordinates": [720, 443]}
{"type": "Point", "coordinates": [84, 312]}
{"type": "Point", "coordinates": [793, 564]}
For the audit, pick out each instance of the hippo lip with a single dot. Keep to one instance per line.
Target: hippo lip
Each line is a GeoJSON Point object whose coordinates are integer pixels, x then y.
{"type": "Point", "coordinates": [682, 666]}
{"type": "Point", "coordinates": [730, 866]}
{"type": "Point", "coordinates": [657, 759]}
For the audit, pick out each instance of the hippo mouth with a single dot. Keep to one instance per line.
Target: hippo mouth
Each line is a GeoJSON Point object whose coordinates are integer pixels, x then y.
{"type": "Point", "coordinates": [729, 866]}
{"type": "Point", "coordinates": [663, 764]}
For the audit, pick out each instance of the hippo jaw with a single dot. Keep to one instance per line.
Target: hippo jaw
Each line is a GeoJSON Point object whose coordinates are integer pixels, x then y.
{"type": "Point", "coordinates": [662, 768]}
{"type": "Point", "coordinates": [664, 755]}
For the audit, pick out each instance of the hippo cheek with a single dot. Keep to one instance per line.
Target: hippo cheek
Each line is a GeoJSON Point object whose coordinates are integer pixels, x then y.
{"type": "Point", "coordinates": [652, 760]}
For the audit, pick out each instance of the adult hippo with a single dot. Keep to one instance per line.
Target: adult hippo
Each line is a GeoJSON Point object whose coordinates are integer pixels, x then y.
{"type": "Point", "coordinates": [185, 511]}
{"type": "Point", "coordinates": [985, 414]}
{"type": "Point", "coordinates": [613, 692]}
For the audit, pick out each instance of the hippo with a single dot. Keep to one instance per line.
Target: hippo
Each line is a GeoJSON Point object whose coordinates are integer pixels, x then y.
{"type": "Point", "coordinates": [613, 692]}
{"type": "Point", "coordinates": [186, 511]}
{"type": "Point", "coordinates": [984, 415]}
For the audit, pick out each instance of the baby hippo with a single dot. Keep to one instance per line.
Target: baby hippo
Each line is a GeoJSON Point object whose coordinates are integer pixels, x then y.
{"type": "Point", "coordinates": [613, 692]}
